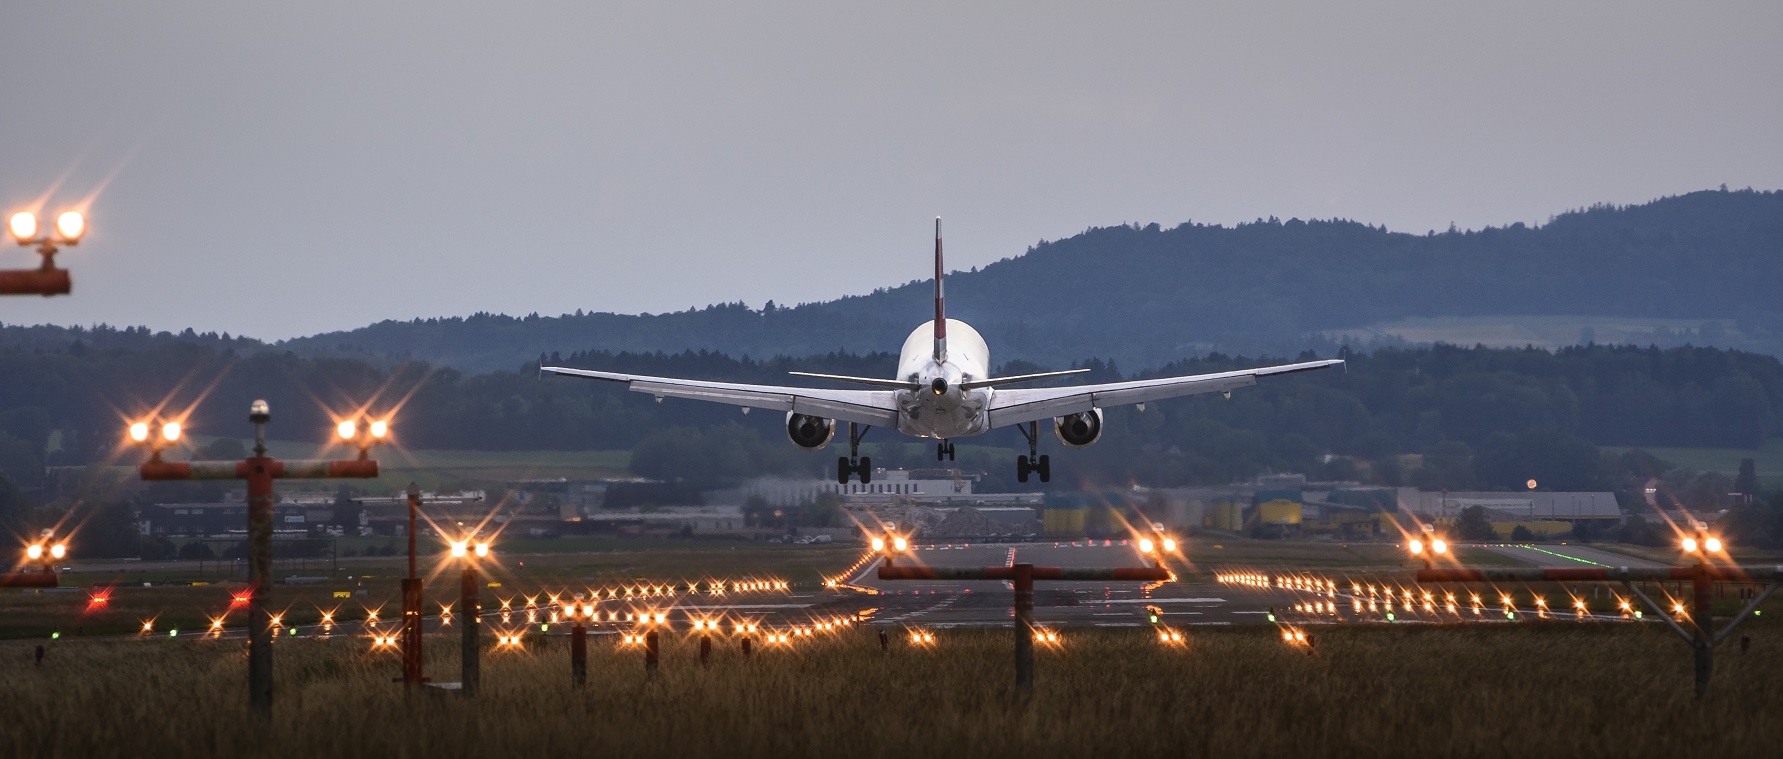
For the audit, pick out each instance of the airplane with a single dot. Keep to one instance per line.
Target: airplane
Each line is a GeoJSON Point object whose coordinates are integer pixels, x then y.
{"type": "Point", "coordinates": [943, 390]}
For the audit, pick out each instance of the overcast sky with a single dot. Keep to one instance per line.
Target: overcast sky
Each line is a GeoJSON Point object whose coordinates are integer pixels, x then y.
{"type": "Point", "coordinates": [283, 169]}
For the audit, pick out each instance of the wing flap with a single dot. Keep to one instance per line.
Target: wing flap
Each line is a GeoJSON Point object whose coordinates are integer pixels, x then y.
{"type": "Point", "coordinates": [1017, 406]}
{"type": "Point", "coordinates": [874, 407]}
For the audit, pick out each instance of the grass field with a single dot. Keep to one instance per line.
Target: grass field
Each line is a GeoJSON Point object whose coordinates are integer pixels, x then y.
{"type": "Point", "coordinates": [1768, 458]}
{"type": "Point", "coordinates": [446, 469]}
{"type": "Point", "coordinates": [1565, 689]}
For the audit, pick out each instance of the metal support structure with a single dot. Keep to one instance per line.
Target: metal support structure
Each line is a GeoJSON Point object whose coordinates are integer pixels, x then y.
{"type": "Point", "coordinates": [578, 653]}
{"type": "Point", "coordinates": [1022, 576]}
{"type": "Point", "coordinates": [470, 606]}
{"type": "Point", "coordinates": [705, 651]}
{"type": "Point", "coordinates": [259, 470]}
{"type": "Point", "coordinates": [652, 653]}
{"type": "Point", "coordinates": [411, 602]}
{"type": "Point", "coordinates": [1024, 628]}
{"type": "Point", "coordinates": [1700, 634]}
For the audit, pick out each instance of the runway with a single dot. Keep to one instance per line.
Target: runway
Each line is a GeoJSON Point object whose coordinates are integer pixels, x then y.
{"type": "Point", "coordinates": [1570, 556]}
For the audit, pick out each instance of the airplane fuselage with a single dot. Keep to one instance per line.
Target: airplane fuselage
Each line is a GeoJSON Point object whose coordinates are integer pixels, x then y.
{"type": "Point", "coordinates": [942, 409]}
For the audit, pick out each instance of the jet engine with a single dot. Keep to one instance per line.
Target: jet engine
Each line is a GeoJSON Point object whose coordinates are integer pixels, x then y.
{"type": "Point", "coordinates": [1079, 430]}
{"type": "Point", "coordinates": [809, 432]}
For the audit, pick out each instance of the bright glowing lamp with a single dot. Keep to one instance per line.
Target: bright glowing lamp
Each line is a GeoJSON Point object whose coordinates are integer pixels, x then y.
{"type": "Point", "coordinates": [1713, 545]}
{"type": "Point", "coordinates": [1416, 546]}
{"type": "Point", "coordinates": [71, 225]}
{"type": "Point", "coordinates": [380, 428]}
{"type": "Point", "coordinates": [1145, 545]}
{"type": "Point", "coordinates": [1439, 545]}
{"type": "Point", "coordinates": [482, 550]}
{"type": "Point", "coordinates": [170, 432]}
{"type": "Point", "coordinates": [347, 429]}
{"type": "Point", "coordinates": [879, 544]}
{"type": "Point", "coordinates": [139, 432]}
{"type": "Point", "coordinates": [1690, 545]}
{"type": "Point", "coordinates": [900, 544]}
{"type": "Point", "coordinates": [58, 550]}
{"type": "Point", "coordinates": [24, 226]}
{"type": "Point", "coordinates": [1169, 545]}
{"type": "Point", "coordinates": [34, 552]}
{"type": "Point", "coordinates": [458, 548]}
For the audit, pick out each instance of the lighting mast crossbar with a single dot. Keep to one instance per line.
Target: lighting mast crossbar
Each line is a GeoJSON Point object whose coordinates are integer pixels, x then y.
{"type": "Point", "coordinates": [259, 470]}
{"type": "Point", "coordinates": [1700, 632]}
{"type": "Point", "coordinates": [1022, 577]}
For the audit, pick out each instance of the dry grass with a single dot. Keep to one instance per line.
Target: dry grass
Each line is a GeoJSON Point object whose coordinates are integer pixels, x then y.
{"type": "Point", "coordinates": [1544, 690]}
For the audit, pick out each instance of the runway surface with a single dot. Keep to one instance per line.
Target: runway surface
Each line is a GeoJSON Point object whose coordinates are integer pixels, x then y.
{"type": "Point", "coordinates": [1571, 556]}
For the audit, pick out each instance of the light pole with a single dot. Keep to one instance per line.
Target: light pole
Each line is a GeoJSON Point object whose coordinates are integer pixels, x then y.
{"type": "Point", "coordinates": [470, 606]}
{"type": "Point", "coordinates": [259, 470]}
{"type": "Point", "coordinates": [39, 564]}
{"type": "Point", "coordinates": [46, 279]}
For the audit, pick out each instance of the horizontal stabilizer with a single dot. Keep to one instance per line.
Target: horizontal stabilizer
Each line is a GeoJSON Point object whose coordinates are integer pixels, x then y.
{"type": "Point", "coordinates": [875, 382]}
{"type": "Point", "coordinates": [994, 381]}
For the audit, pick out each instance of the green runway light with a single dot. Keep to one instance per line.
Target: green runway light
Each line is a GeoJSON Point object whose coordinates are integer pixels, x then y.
{"type": "Point", "coordinates": [1637, 613]}
{"type": "Point", "coordinates": [56, 635]}
{"type": "Point", "coordinates": [1389, 616]}
{"type": "Point", "coordinates": [545, 627]}
{"type": "Point", "coordinates": [293, 631]}
{"type": "Point", "coordinates": [173, 633]}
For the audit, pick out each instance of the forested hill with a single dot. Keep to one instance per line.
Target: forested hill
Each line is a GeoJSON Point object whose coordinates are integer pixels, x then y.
{"type": "Point", "coordinates": [1146, 295]}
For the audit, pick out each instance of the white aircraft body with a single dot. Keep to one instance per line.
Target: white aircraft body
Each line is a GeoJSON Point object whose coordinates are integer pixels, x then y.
{"type": "Point", "coordinates": [943, 390]}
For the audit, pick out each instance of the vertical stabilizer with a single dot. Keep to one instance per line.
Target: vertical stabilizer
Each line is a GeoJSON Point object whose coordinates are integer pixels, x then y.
{"type": "Point", "coordinates": [940, 312]}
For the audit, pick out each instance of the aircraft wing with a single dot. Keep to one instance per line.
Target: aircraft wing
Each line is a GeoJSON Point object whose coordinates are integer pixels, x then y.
{"type": "Point", "coordinates": [1009, 407]}
{"type": "Point", "coordinates": [871, 407]}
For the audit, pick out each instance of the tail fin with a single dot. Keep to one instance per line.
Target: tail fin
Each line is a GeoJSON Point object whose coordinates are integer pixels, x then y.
{"type": "Point", "coordinates": [940, 312]}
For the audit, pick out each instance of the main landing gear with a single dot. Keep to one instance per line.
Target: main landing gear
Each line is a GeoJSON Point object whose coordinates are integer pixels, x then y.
{"type": "Point", "coordinates": [1033, 463]}
{"type": "Point", "coordinates": [944, 451]}
{"type": "Point", "coordinates": [854, 463]}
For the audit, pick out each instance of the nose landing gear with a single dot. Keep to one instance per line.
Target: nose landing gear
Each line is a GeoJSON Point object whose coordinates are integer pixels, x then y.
{"type": "Point", "coordinates": [944, 451]}
{"type": "Point", "coordinates": [1033, 463]}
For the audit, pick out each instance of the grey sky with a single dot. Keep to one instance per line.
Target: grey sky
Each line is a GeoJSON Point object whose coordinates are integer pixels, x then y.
{"type": "Point", "coordinates": [365, 161]}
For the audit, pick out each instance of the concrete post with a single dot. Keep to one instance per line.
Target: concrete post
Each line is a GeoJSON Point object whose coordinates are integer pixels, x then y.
{"type": "Point", "coordinates": [470, 608]}
{"type": "Point", "coordinates": [1024, 629]}
{"type": "Point", "coordinates": [260, 512]}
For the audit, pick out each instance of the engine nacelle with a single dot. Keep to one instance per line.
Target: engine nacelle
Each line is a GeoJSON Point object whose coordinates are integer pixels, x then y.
{"type": "Point", "coordinates": [1079, 430]}
{"type": "Point", "coordinates": [809, 432]}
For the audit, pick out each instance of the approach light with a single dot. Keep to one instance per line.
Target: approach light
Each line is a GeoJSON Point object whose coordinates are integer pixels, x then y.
{"type": "Point", "coordinates": [24, 227]}
{"type": "Point", "coordinates": [380, 428]}
{"type": "Point", "coordinates": [1169, 545]}
{"type": "Point", "coordinates": [482, 550]}
{"type": "Point", "coordinates": [1416, 546]}
{"type": "Point", "coordinates": [70, 225]}
{"type": "Point", "coordinates": [1145, 545]}
{"type": "Point", "coordinates": [59, 550]}
{"type": "Point", "coordinates": [1690, 545]}
{"type": "Point", "coordinates": [34, 552]}
{"type": "Point", "coordinates": [170, 432]}
{"type": "Point", "coordinates": [1439, 545]}
{"type": "Point", "coordinates": [458, 548]}
{"type": "Point", "coordinates": [139, 432]}
{"type": "Point", "coordinates": [1712, 545]}
{"type": "Point", "coordinates": [900, 545]}
{"type": "Point", "coordinates": [878, 544]}
{"type": "Point", "coordinates": [347, 430]}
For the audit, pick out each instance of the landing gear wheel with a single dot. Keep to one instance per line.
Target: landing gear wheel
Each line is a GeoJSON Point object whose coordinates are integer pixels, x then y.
{"type": "Point", "coordinates": [865, 470]}
{"type": "Point", "coordinates": [843, 470]}
{"type": "Point", "coordinates": [1045, 468]}
{"type": "Point", "coordinates": [944, 451]}
{"type": "Point", "coordinates": [1021, 469]}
